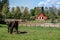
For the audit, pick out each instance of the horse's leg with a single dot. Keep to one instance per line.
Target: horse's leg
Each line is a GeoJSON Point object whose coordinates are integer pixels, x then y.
{"type": "Point", "coordinates": [11, 30]}
{"type": "Point", "coordinates": [8, 29]}
{"type": "Point", "coordinates": [16, 27]}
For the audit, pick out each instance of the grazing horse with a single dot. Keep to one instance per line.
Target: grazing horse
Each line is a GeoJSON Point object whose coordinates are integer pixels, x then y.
{"type": "Point", "coordinates": [12, 25]}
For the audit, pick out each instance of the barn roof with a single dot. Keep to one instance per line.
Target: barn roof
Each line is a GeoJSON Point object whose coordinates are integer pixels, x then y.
{"type": "Point", "coordinates": [42, 15]}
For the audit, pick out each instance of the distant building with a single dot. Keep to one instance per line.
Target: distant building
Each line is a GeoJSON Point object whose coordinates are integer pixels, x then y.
{"type": "Point", "coordinates": [41, 17]}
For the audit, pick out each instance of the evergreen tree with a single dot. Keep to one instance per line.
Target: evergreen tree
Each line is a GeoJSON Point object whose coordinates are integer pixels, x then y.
{"type": "Point", "coordinates": [52, 14]}
{"type": "Point", "coordinates": [0, 5]}
{"type": "Point", "coordinates": [37, 11]}
{"type": "Point", "coordinates": [18, 12]}
{"type": "Point", "coordinates": [58, 14]}
{"type": "Point", "coordinates": [46, 12]}
{"type": "Point", "coordinates": [26, 13]}
{"type": "Point", "coordinates": [5, 7]}
{"type": "Point", "coordinates": [32, 12]}
{"type": "Point", "coordinates": [5, 2]}
{"type": "Point", "coordinates": [12, 12]}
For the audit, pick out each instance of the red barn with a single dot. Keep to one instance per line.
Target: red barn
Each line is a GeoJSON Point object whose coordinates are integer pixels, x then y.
{"type": "Point", "coordinates": [41, 17]}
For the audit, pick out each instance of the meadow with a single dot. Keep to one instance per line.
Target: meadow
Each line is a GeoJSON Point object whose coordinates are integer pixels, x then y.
{"type": "Point", "coordinates": [33, 33]}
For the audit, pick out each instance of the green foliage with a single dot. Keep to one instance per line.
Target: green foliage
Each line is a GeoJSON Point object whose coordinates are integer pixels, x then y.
{"type": "Point", "coordinates": [32, 12]}
{"type": "Point", "coordinates": [52, 14]}
{"type": "Point", "coordinates": [46, 12]}
{"type": "Point", "coordinates": [0, 6]}
{"type": "Point", "coordinates": [12, 12]}
{"type": "Point", "coordinates": [58, 14]}
{"type": "Point", "coordinates": [37, 11]}
{"type": "Point", "coordinates": [17, 12]}
{"type": "Point", "coordinates": [5, 2]}
{"type": "Point", "coordinates": [5, 9]}
{"type": "Point", "coordinates": [9, 15]}
{"type": "Point", "coordinates": [1, 16]}
{"type": "Point", "coordinates": [25, 13]}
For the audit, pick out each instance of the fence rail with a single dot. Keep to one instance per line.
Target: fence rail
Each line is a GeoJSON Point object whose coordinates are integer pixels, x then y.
{"type": "Point", "coordinates": [39, 24]}
{"type": "Point", "coordinates": [36, 23]}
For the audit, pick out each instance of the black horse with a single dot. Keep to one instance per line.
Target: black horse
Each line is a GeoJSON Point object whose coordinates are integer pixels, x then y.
{"type": "Point", "coordinates": [12, 25]}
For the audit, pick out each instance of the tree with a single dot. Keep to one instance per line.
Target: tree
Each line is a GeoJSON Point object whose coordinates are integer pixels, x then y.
{"type": "Point", "coordinates": [12, 12]}
{"type": "Point", "coordinates": [22, 9]}
{"type": "Point", "coordinates": [0, 6]}
{"type": "Point", "coordinates": [52, 14]}
{"type": "Point", "coordinates": [9, 15]}
{"type": "Point", "coordinates": [58, 14]}
{"type": "Point", "coordinates": [46, 12]}
{"type": "Point", "coordinates": [5, 7]}
{"type": "Point", "coordinates": [1, 16]}
{"type": "Point", "coordinates": [5, 2]}
{"type": "Point", "coordinates": [26, 13]}
{"type": "Point", "coordinates": [37, 11]}
{"type": "Point", "coordinates": [18, 12]}
{"type": "Point", "coordinates": [32, 12]}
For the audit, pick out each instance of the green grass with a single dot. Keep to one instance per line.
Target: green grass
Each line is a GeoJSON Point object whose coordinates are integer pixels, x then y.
{"type": "Point", "coordinates": [33, 33]}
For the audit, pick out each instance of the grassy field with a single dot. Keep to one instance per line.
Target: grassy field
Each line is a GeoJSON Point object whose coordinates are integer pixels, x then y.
{"type": "Point", "coordinates": [33, 33]}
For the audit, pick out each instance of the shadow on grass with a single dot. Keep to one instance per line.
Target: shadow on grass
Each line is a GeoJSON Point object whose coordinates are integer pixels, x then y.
{"type": "Point", "coordinates": [24, 32]}
{"type": "Point", "coordinates": [20, 32]}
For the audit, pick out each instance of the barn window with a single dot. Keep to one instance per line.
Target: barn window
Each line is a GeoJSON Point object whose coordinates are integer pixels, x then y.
{"type": "Point", "coordinates": [41, 17]}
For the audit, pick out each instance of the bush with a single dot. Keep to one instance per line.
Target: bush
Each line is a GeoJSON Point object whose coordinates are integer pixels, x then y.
{"type": "Point", "coordinates": [2, 19]}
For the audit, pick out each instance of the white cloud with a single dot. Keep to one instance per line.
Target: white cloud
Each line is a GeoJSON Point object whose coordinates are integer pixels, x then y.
{"type": "Point", "coordinates": [58, 3]}
{"type": "Point", "coordinates": [48, 0]}
{"type": "Point", "coordinates": [41, 3]}
{"type": "Point", "coordinates": [49, 3]}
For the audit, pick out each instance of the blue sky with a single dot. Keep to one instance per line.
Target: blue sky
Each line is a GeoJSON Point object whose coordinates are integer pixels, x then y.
{"type": "Point", "coordinates": [32, 3]}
